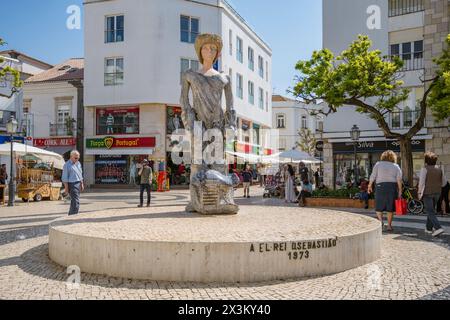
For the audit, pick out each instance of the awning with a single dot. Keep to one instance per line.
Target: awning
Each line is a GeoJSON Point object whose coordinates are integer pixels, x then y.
{"type": "Point", "coordinates": [120, 152]}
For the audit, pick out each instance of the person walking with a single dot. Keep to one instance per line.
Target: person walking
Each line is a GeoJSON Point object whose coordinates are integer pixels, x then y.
{"type": "Point", "coordinates": [388, 178]}
{"type": "Point", "coordinates": [431, 182]}
{"type": "Point", "coordinates": [289, 192]}
{"type": "Point", "coordinates": [72, 178]}
{"type": "Point", "coordinates": [3, 178]}
{"type": "Point", "coordinates": [146, 180]}
{"type": "Point", "coordinates": [247, 177]}
{"type": "Point", "coordinates": [444, 198]}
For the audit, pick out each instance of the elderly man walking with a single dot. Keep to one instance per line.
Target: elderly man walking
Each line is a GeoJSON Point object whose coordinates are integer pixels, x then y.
{"type": "Point", "coordinates": [72, 178]}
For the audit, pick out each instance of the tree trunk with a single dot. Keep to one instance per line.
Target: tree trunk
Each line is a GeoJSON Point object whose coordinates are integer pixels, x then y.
{"type": "Point", "coordinates": [406, 160]}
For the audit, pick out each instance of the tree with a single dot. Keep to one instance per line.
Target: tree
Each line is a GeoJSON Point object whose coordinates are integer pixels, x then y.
{"type": "Point", "coordinates": [9, 74]}
{"type": "Point", "coordinates": [372, 83]}
{"type": "Point", "coordinates": [307, 142]}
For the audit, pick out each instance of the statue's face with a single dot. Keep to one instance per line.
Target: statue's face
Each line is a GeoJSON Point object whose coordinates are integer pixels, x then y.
{"type": "Point", "coordinates": [209, 53]}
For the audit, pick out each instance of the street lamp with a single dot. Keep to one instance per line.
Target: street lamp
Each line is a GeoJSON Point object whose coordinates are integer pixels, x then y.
{"type": "Point", "coordinates": [11, 128]}
{"type": "Point", "coordinates": [355, 134]}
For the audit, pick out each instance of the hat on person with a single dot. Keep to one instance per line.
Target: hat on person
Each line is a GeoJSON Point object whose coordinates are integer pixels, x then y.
{"type": "Point", "coordinates": [207, 38]}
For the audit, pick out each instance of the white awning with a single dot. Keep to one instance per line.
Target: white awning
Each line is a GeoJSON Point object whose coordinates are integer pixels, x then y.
{"type": "Point", "coordinates": [119, 152]}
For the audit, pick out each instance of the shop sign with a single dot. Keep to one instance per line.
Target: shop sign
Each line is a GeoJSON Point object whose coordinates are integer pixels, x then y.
{"type": "Point", "coordinates": [5, 139]}
{"type": "Point", "coordinates": [54, 142]}
{"type": "Point", "coordinates": [122, 143]}
{"type": "Point", "coordinates": [376, 146]}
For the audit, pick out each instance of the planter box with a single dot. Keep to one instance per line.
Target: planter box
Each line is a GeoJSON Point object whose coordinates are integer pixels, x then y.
{"type": "Point", "coordinates": [338, 203]}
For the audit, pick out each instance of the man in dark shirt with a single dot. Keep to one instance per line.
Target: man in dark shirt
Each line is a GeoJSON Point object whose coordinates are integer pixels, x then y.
{"type": "Point", "coordinates": [303, 171]}
{"type": "Point", "coordinates": [247, 177]}
{"type": "Point", "coordinates": [146, 175]}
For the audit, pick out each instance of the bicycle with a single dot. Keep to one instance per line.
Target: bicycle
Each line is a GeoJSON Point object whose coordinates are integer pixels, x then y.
{"type": "Point", "coordinates": [414, 206]}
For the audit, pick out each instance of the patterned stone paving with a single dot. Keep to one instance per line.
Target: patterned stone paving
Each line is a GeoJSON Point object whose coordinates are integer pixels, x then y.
{"type": "Point", "coordinates": [413, 265]}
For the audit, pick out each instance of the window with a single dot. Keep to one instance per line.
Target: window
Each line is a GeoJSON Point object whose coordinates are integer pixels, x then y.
{"type": "Point", "coordinates": [401, 7]}
{"type": "Point", "coordinates": [189, 29]}
{"type": "Point", "coordinates": [261, 66]}
{"type": "Point", "coordinates": [251, 92]}
{"type": "Point", "coordinates": [396, 120]}
{"type": "Point", "coordinates": [319, 124]}
{"type": "Point", "coordinates": [267, 71]}
{"type": "Point", "coordinates": [251, 59]}
{"type": "Point", "coordinates": [267, 101]}
{"type": "Point", "coordinates": [412, 59]}
{"type": "Point", "coordinates": [407, 117]}
{"type": "Point", "coordinates": [231, 76]}
{"type": "Point", "coordinates": [281, 121]}
{"type": "Point", "coordinates": [26, 106]}
{"type": "Point", "coordinates": [418, 49]}
{"type": "Point", "coordinates": [239, 51]}
{"type": "Point", "coordinates": [239, 86]}
{"type": "Point", "coordinates": [261, 98]}
{"type": "Point", "coordinates": [406, 51]}
{"type": "Point", "coordinates": [230, 41]}
{"type": "Point", "coordinates": [116, 121]}
{"type": "Point", "coordinates": [63, 115]}
{"type": "Point", "coordinates": [187, 64]}
{"type": "Point", "coordinates": [113, 71]}
{"type": "Point", "coordinates": [114, 29]}
{"type": "Point", "coordinates": [304, 122]}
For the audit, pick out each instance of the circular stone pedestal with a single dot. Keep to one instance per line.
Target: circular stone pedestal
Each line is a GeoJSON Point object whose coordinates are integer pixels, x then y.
{"type": "Point", "coordinates": [260, 243]}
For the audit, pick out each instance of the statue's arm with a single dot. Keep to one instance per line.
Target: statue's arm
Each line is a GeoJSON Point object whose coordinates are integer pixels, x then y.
{"type": "Point", "coordinates": [230, 113]}
{"type": "Point", "coordinates": [187, 114]}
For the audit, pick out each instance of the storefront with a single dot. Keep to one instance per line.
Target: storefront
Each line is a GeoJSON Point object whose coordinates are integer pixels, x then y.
{"type": "Point", "coordinates": [62, 146]}
{"type": "Point", "coordinates": [368, 154]}
{"type": "Point", "coordinates": [116, 159]}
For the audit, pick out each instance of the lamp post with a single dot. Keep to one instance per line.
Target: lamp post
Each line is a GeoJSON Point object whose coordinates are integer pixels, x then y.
{"type": "Point", "coordinates": [355, 134]}
{"type": "Point", "coordinates": [11, 128]}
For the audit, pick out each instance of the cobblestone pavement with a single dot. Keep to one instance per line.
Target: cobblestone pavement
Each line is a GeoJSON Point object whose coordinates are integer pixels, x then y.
{"type": "Point", "coordinates": [413, 265]}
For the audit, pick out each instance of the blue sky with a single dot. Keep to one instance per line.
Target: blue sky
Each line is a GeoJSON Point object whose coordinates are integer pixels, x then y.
{"type": "Point", "coordinates": [293, 29]}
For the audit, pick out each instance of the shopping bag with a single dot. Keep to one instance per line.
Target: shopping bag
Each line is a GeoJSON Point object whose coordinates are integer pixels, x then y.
{"type": "Point", "coordinates": [401, 207]}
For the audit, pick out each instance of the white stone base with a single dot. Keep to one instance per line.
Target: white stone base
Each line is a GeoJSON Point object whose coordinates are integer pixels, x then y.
{"type": "Point", "coordinates": [171, 245]}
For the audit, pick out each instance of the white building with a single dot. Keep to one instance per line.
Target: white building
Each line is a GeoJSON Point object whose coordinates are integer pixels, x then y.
{"type": "Point", "coordinates": [51, 101]}
{"type": "Point", "coordinates": [135, 51]}
{"type": "Point", "coordinates": [290, 117]}
{"type": "Point", "coordinates": [397, 28]}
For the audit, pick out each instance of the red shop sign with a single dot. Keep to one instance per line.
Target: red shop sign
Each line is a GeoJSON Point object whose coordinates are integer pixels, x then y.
{"type": "Point", "coordinates": [54, 142]}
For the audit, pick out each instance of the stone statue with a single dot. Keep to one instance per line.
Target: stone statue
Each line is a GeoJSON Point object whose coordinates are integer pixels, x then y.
{"type": "Point", "coordinates": [211, 188]}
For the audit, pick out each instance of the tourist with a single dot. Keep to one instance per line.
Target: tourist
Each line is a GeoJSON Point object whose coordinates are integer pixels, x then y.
{"type": "Point", "coordinates": [444, 198]}
{"type": "Point", "coordinates": [289, 190]}
{"type": "Point", "coordinates": [247, 179]}
{"type": "Point", "coordinates": [431, 181]}
{"type": "Point", "coordinates": [72, 178]}
{"type": "Point", "coordinates": [303, 171]}
{"type": "Point", "coordinates": [146, 180]}
{"type": "Point", "coordinates": [305, 193]}
{"type": "Point", "coordinates": [317, 178]}
{"type": "Point", "coordinates": [387, 176]}
{"type": "Point", "coordinates": [363, 194]}
{"type": "Point", "coordinates": [3, 178]}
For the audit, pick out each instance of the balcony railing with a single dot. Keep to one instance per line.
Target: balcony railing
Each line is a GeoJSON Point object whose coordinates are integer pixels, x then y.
{"type": "Point", "coordinates": [401, 7]}
{"type": "Point", "coordinates": [412, 64]}
{"type": "Point", "coordinates": [62, 130]}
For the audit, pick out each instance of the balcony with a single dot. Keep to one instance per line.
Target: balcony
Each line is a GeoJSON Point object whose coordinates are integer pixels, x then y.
{"type": "Point", "coordinates": [403, 119]}
{"type": "Point", "coordinates": [402, 7]}
{"type": "Point", "coordinates": [413, 64]}
{"type": "Point", "coordinates": [62, 130]}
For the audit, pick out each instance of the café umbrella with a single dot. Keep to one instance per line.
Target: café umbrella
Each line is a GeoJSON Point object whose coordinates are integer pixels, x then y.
{"type": "Point", "coordinates": [20, 149]}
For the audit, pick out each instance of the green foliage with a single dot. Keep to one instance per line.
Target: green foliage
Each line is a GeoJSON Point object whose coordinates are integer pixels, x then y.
{"type": "Point", "coordinates": [7, 73]}
{"type": "Point", "coordinates": [358, 73]}
{"type": "Point", "coordinates": [439, 98]}
{"type": "Point", "coordinates": [340, 193]}
{"type": "Point", "coordinates": [307, 142]}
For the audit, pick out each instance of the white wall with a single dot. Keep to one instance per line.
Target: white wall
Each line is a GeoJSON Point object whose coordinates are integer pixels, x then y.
{"type": "Point", "coordinates": [152, 51]}
{"type": "Point", "coordinates": [43, 105]}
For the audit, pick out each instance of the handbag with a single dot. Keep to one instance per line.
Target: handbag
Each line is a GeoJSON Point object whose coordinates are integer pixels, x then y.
{"type": "Point", "coordinates": [401, 207]}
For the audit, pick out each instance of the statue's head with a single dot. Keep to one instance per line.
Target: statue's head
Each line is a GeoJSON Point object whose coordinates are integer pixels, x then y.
{"type": "Point", "coordinates": [208, 47]}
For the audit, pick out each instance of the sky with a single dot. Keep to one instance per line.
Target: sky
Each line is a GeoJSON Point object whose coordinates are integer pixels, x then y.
{"type": "Point", "coordinates": [292, 28]}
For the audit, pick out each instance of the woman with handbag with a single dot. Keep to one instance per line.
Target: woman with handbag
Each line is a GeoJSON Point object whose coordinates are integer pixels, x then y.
{"type": "Point", "coordinates": [387, 177]}
{"type": "Point", "coordinates": [431, 181]}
